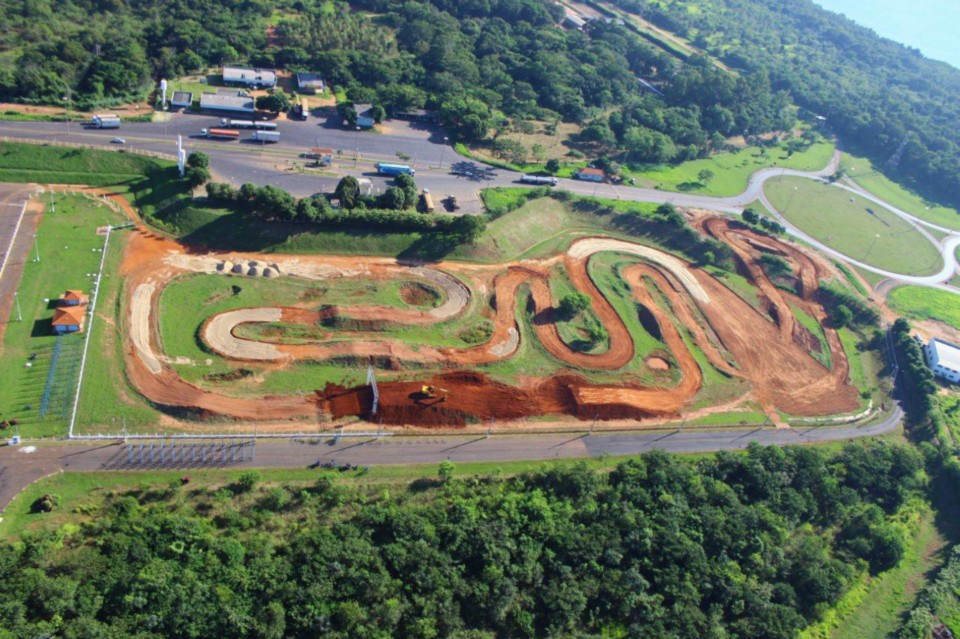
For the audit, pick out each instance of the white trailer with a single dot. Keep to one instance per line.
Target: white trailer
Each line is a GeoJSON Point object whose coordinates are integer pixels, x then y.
{"type": "Point", "coordinates": [107, 121]}
{"type": "Point", "coordinates": [265, 136]}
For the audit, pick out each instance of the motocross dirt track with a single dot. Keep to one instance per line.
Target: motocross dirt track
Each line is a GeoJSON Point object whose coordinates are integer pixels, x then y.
{"type": "Point", "coordinates": [735, 337]}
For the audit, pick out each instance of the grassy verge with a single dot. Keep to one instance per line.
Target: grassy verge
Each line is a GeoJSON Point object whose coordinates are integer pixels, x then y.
{"type": "Point", "coordinates": [861, 171]}
{"type": "Point", "coordinates": [107, 401]}
{"type": "Point", "coordinates": [69, 249]}
{"type": "Point", "coordinates": [919, 302]}
{"type": "Point", "coordinates": [854, 226]}
{"type": "Point", "coordinates": [890, 595]}
{"type": "Point", "coordinates": [731, 170]}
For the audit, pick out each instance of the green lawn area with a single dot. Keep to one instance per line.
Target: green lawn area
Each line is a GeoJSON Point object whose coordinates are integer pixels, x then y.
{"type": "Point", "coordinates": [732, 170]}
{"type": "Point", "coordinates": [861, 171]}
{"type": "Point", "coordinates": [104, 381]}
{"type": "Point", "coordinates": [69, 253]}
{"type": "Point", "coordinates": [539, 228]}
{"type": "Point", "coordinates": [853, 226]}
{"type": "Point", "coordinates": [919, 302]}
{"type": "Point", "coordinates": [150, 184]}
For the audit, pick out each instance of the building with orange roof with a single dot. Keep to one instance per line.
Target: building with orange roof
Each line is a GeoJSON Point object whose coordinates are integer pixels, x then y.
{"type": "Point", "coordinates": [73, 298]}
{"type": "Point", "coordinates": [68, 319]}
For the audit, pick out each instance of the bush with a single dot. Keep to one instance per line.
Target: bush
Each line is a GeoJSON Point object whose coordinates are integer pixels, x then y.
{"type": "Point", "coordinates": [573, 304]}
{"type": "Point", "coordinates": [247, 481]}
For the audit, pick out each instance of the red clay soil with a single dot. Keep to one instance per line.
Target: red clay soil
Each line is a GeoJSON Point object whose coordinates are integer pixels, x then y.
{"type": "Point", "coordinates": [784, 374]}
{"type": "Point", "coordinates": [465, 396]}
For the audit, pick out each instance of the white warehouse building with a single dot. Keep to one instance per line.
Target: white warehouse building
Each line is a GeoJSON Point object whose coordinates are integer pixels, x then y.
{"type": "Point", "coordinates": [944, 359]}
{"type": "Point", "coordinates": [250, 77]}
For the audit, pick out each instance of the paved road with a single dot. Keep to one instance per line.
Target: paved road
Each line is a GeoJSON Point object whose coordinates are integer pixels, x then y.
{"type": "Point", "coordinates": [281, 165]}
{"type": "Point", "coordinates": [18, 469]}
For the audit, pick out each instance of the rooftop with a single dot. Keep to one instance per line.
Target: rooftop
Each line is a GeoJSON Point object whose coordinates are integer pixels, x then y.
{"type": "Point", "coordinates": [310, 79]}
{"type": "Point", "coordinates": [590, 171]}
{"type": "Point", "coordinates": [231, 102]}
{"type": "Point", "coordinates": [248, 74]}
{"type": "Point", "coordinates": [68, 316]}
{"type": "Point", "coordinates": [74, 295]}
{"type": "Point", "coordinates": [948, 354]}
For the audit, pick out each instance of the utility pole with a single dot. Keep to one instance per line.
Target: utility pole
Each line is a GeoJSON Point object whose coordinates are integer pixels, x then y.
{"type": "Point", "coordinates": [16, 298]}
{"type": "Point", "coordinates": [53, 204]}
{"type": "Point", "coordinates": [36, 245]}
{"type": "Point", "coordinates": [443, 150]}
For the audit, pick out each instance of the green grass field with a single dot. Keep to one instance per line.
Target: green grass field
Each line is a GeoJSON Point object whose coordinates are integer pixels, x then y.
{"type": "Point", "coordinates": [861, 171]}
{"type": "Point", "coordinates": [69, 255]}
{"type": "Point", "coordinates": [732, 170]}
{"type": "Point", "coordinates": [854, 226]}
{"type": "Point", "coordinates": [918, 302]}
{"type": "Point", "coordinates": [150, 184]}
{"type": "Point", "coordinates": [107, 401]}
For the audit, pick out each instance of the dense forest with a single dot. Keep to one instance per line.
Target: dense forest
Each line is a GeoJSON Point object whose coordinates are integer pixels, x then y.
{"type": "Point", "coordinates": [474, 63]}
{"type": "Point", "coordinates": [883, 99]}
{"type": "Point", "coordinates": [753, 545]}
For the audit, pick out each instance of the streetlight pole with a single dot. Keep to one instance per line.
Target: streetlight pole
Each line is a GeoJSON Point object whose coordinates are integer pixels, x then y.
{"type": "Point", "coordinates": [53, 204]}
{"type": "Point", "coordinates": [66, 116]}
{"type": "Point", "coordinates": [443, 150]}
{"type": "Point", "coordinates": [356, 148]}
{"type": "Point", "coordinates": [16, 298]}
{"type": "Point", "coordinates": [36, 245]}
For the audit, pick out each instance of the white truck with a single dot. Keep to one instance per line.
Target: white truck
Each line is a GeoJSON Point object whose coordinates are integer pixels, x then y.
{"type": "Point", "coordinates": [265, 136]}
{"type": "Point", "coordinates": [105, 121]}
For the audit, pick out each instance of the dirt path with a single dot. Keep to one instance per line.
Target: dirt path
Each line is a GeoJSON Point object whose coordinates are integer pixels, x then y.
{"type": "Point", "coordinates": [783, 374]}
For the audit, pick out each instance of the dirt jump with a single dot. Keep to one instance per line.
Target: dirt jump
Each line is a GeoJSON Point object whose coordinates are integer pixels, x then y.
{"type": "Point", "coordinates": [765, 346]}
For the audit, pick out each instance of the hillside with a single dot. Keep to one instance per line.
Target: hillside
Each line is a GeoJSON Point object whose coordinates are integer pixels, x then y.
{"type": "Point", "coordinates": [884, 99]}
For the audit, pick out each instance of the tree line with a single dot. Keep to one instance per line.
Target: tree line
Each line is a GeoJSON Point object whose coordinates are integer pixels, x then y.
{"type": "Point", "coordinates": [741, 546]}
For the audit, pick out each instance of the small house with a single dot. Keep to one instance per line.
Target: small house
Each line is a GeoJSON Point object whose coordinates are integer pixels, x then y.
{"type": "Point", "coordinates": [590, 175]}
{"type": "Point", "coordinates": [310, 83]}
{"type": "Point", "coordinates": [364, 118]}
{"type": "Point", "coordinates": [68, 319]}
{"type": "Point", "coordinates": [73, 298]}
{"type": "Point", "coordinates": [260, 78]}
{"type": "Point", "coordinates": [943, 358]}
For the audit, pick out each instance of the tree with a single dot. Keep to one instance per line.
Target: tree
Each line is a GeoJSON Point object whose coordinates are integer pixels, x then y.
{"type": "Point", "coordinates": [573, 304]}
{"type": "Point", "coordinates": [198, 159]}
{"type": "Point", "coordinates": [348, 113]}
{"type": "Point", "coordinates": [393, 198]}
{"type": "Point", "coordinates": [840, 316]}
{"type": "Point", "coordinates": [467, 228]}
{"type": "Point", "coordinates": [378, 113]}
{"type": "Point", "coordinates": [196, 176]}
{"type": "Point", "coordinates": [705, 176]}
{"type": "Point", "coordinates": [750, 216]}
{"type": "Point", "coordinates": [446, 470]}
{"type": "Point", "coordinates": [275, 102]}
{"type": "Point", "coordinates": [775, 266]}
{"type": "Point", "coordinates": [553, 165]}
{"type": "Point", "coordinates": [347, 191]}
